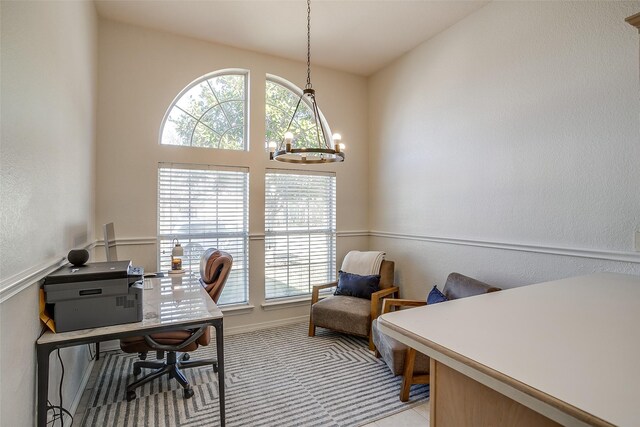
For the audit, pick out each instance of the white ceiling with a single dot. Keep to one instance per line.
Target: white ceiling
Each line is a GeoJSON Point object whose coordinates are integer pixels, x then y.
{"type": "Point", "coordinates": [358, 36]}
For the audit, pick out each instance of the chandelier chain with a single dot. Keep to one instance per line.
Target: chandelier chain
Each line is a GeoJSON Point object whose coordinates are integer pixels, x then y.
{"type": "Point", "coordinates": [308, 86]}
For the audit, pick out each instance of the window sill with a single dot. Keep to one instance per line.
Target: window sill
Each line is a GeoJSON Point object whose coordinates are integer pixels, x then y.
{"type": "Point", "coordinates": [282, 303]}
{"type": "Point", "coordinates": [235, 309]}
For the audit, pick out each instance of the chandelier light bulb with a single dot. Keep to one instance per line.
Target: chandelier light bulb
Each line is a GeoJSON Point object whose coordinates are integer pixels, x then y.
{"type": "Point", "coordinates": [337, 138]}
{"type": "Point", "coordinates": [288, 137]}
{"type": "Point", "coordinates": [272, 146]}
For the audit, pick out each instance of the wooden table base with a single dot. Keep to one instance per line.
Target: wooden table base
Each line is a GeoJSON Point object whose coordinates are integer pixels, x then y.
{"type": "Point", "coordinates": [458, 401]}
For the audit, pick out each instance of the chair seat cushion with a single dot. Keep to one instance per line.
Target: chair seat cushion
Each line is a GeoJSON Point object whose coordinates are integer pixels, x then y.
{"type": "Point", "coordinates": [138, 344]}
{"type": "Point", "coordinates": [393, 352]}
{"type": "Point", "coordinates": [344, 314]}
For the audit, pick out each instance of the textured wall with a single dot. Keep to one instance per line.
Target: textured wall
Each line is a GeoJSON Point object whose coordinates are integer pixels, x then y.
{"type": "Point", "coordinates": [517, 125]}
{"type": "Point", "coordinates": [47, 176]}
{"type": "Point", "coordinates": [141, 72]}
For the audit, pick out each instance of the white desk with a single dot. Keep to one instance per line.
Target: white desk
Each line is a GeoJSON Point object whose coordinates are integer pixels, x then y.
{"type": "Point", "coordinates": [175, 302]}
{"type": "Point", "coordinates": [567, 349]}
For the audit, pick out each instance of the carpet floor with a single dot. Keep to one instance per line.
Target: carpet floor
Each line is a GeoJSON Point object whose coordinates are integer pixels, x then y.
{"type": "Point", "coordinates": [274, 377]}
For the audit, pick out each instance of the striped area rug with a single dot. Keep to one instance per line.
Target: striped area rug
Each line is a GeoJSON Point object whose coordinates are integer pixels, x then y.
{"type": "Point", "coordinates": [275, 377]}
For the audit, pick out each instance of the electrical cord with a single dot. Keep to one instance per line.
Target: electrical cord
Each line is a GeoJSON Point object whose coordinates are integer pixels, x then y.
{"type": "Point", "coordinates": [61, 410]}
{"type": "Point", "coordinates": [57, 415]}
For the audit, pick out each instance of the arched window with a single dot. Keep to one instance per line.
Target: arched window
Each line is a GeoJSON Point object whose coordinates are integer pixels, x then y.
{"type": "Point", "coordinates": [280, 103]}
{"type": "Point", "coordinates": [211, 112]}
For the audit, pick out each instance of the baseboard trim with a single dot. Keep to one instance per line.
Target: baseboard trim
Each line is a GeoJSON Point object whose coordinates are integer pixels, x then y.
{"type": "Point", "coordinates": [234, 330]}
{"type": "Point", "coordinates": [81, 389]}
{"type": "Point", "coordinates": [632, 257]}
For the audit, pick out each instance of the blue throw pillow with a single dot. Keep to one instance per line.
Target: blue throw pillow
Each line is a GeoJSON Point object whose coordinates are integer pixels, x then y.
{"type": "Point", "coordinates": [435, 296]}
{"type": "Point", "coordinates": [354, 285]}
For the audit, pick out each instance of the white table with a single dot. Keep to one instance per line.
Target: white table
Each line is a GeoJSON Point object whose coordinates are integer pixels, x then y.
{"type": "Point", "coordinates": [567, 351]}
{"type": "Point", "coordinates": [174, 302]}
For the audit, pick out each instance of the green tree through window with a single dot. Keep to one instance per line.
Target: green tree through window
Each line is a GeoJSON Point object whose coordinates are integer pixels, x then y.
{"type": "Point", "coordinates": [280, 103]}
{"type": "Point", "coordinates": [210, 112]}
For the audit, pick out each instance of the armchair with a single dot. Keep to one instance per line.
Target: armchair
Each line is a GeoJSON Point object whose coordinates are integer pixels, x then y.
{"type": "Point", "coordinates": [215, 266]}
{"type": "Point", "coordinates": [347, 314]}
{"type": "Point", "coordinates": [404, 360]}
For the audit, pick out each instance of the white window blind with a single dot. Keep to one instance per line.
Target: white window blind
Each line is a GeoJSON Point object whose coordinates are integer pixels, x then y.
{"type": "Point", "coordinates": [300, 232]}
{"type": "Point", "coordinates": [205, 206]}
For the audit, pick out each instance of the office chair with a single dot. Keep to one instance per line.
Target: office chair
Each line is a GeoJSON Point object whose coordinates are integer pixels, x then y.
{"type": "Point", "coordinates": [215, 266]}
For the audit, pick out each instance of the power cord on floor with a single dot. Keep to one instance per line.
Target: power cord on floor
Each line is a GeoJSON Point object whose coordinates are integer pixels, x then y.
{"type": "Point", "coordinates": [61, 410]}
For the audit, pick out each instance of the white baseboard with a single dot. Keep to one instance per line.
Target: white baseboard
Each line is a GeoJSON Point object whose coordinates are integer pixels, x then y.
{"type": "Point", "coordinates": [264, 325]}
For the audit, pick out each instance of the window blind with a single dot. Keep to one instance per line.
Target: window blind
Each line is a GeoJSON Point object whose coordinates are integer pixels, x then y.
{"type": "Point", "coordinates": [300, 232]}
{"type": "Point", "coordinates": [205, 206]}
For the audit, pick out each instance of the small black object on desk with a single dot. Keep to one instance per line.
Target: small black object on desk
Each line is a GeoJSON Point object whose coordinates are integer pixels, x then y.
{"type": "Point", "coordinates": [78, 257]}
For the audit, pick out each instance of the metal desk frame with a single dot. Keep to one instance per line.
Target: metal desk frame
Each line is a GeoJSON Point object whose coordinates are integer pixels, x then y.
{"type": "Point", "coordinates": [45, 349]}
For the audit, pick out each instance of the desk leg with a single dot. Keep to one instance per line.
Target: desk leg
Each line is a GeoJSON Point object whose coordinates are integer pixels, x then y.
{"type": "Point", "coordinates": [43, 353]}
{"type": "Point", "coordinates": [220, 353]}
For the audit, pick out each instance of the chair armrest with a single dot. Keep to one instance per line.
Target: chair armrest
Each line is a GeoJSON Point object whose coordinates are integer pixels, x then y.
{"type": "Point", "coordinates": [316, 290]}
{"type": "Point", "coordinates": [387, 303]}
{"type": "Point", "coordinates": [377, 296]}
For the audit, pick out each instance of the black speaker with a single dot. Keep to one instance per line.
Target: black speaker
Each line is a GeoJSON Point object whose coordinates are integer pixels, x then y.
{"type": "Point", "coordinates": [78, 257]}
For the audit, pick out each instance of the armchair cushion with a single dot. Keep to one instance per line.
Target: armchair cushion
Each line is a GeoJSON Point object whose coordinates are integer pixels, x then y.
{"type": "Point", "coordinates": [435, 296]}
{"type": "Point", "coordinates": [354, 285]}
{"type": "Point", "coordinates": [344, 314]}
{"type": "Point", "coordinates": [393, 353]}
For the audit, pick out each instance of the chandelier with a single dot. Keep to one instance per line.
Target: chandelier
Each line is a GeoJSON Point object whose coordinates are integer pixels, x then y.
{"type": "Point", "coordinates": [324, 151]}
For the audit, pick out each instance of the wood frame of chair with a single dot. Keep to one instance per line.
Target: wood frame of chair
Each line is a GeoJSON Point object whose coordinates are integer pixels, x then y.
{"type": "Point", "coordinates": [408, 377]}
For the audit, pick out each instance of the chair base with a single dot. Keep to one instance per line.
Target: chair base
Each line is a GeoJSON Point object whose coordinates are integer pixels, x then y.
{"type": "Point", "coordinates": [171, 367]}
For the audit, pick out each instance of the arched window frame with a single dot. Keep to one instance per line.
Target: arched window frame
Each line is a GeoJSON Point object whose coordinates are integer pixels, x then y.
{"type": "Point", "coordinates": [298, 92]}
{"type": "Point", "coordinates": [217, 73]}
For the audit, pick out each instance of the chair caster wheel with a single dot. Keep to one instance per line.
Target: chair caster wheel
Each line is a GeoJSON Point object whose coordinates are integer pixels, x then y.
{"type": "Point", "coordinates": [187, 393]}
{"type": "Point", "coordinates": [131, 395]}
{"type": "Point", "coordinates": [137, 370]}
{"type": "Point", "coordinates": [186, 356]}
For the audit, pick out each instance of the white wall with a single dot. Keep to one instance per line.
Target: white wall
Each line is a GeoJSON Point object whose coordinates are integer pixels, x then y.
{"type": "Point", "coordinates": [141, 72]}
{"type": "Point", "coordinates": [517, 128]}
{"type": "Point", "coordinates": [47, 179]}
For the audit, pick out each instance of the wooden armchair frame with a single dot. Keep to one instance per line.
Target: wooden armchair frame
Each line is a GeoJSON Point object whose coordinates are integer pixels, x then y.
{"type": "Point", "coordinates": [408, 378]}
{"type": "Point", "coordinates": [376, 297]}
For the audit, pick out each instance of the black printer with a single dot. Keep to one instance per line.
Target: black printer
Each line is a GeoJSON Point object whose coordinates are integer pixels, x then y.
{"type": "Point", "coordinates": [94, 295]}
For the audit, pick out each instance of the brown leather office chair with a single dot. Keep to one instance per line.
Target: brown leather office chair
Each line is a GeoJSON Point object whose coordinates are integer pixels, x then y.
{"type": "Point", "coordinates": [351, 315]}
{"type": "Point", "coordinates": [215, 266]}
{"type": "Point", "coordinates": [404, 360]}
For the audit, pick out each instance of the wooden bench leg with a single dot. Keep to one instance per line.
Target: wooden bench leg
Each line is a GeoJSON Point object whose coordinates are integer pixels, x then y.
{"type": "Point", "coordinates": [407, 376]}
